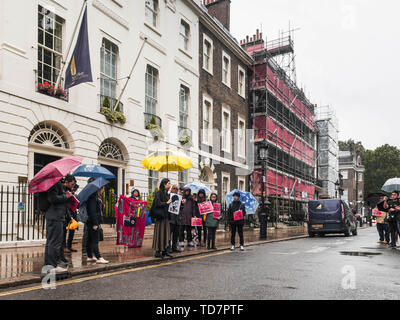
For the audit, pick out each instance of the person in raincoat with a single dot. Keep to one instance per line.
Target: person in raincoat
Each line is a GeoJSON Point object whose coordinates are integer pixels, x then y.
{"type": "Point", "coordinates": [159, 211]}
{"type": "Point", "coordinates": [186, 213]}
{"type": "Point", "coordinates": [234, 207]}
{"type": "Point", "coordinates": [201, 197]}
{"type": "Point", "coordinates": [212, 225]}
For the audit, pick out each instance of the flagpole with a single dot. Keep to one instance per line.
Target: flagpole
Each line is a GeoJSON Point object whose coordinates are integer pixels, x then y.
{"type": "Point", "coordinates": [70, 45]}
{"type": "Point", "coordinates": [130, 75]}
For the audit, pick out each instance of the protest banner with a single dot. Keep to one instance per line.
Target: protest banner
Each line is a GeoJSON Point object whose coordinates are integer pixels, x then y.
{"type": "Point", "coordinates": [217, 211]}
{"type": "Point", "coordinates": [206, 207]}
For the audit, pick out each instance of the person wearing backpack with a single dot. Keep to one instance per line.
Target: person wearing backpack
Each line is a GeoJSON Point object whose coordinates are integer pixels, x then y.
{"type": "Point", "coordinates": [57, 197]}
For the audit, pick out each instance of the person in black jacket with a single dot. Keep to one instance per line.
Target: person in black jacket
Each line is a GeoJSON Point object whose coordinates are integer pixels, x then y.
{"type": "Point", "coordinates": [67, 245]}
{"type": "Point", "coordinates": [57, 196]}
{"type": "Point", "coordinates": [94, 209]}
{"type": "Point", "coordinates": [201, 197]}
{"type": "Point", "coordinates": [236, 206]}
{"type": "Point", "coordinates": [174, 222]}
{"type": "Point", "coordinates": [159, 212]}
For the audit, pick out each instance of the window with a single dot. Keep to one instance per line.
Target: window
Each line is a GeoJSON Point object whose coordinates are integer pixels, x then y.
{"type": "Point", "coordinates": [207, 54]}
{"type": "Point", "coordinates": [226, 69]}
{"type": "Point", "coordinates": [152, 13]}
{"type": "Point", "coordinates": [360, 177]}
{"type": "Point", "coordinates": [226, 186]}
{"type": "Point", "coordinates": [241, 184]}
{"type": "Point", "coordinates": [226, 129]}
{"type": "Point", "coordinates": [50, 45]}
{"type": "Point", "coordinates": [242, 82]}
{"type": "Point", "coordinates": [182, 178]}
{"type": "Point", "coordinates": [153, 181]}
{"type": "Point", "coordinates": [207, 122]}
{"type": "Point", "coordinates": [108, 72]}
{"type": "Point", "coordinates": [184, 35]}
{"type": "Point", "coordinates": [242, 138]}
{"type": "Point", "coordinates": [151, 90]}
{"type": "Point", "coordinates": [345, 174]}
{"type": "Point", "coordinates": [183, 106]}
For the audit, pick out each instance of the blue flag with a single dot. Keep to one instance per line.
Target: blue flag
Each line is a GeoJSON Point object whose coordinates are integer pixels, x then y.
{"type": "Point", "coordinates": [79, 69]}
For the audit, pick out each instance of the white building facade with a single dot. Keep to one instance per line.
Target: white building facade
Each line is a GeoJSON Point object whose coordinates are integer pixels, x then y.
{"type": "Point", "coordinates": [36, 128]}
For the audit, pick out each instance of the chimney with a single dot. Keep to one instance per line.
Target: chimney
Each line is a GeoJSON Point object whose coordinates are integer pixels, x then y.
{"type": "Point", "coordinates": [221, 10]}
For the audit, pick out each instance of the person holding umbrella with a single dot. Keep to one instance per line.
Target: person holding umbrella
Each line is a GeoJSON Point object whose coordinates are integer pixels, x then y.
{"type": "Point", "coordinates": [159, 212]}
{"type": "Point", "coordinates": [58, 197]}
{"type": "Point", "coordinates": [91, 196]}
{"type": "Point", "coordinates": [67, 245]}
{"type": "Point", "coordinates": [237, 225]}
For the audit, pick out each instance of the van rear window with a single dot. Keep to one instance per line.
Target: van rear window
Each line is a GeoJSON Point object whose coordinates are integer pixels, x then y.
{"type": "Point", "coordinates": [324, 206]}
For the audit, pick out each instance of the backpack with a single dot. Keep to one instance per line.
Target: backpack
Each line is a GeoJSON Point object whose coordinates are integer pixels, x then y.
{"type": "Point", "coordinates": [44, 204]}
{"type": "Point", "coordinates": [83, 214]}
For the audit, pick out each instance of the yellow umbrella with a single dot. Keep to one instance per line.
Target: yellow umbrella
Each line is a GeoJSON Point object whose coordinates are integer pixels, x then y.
{"type": "Point", "coordinates": [165, 161]}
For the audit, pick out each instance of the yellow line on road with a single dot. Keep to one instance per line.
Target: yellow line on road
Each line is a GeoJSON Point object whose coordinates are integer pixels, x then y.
{"type": "Point", "coordinates": [106, 275]}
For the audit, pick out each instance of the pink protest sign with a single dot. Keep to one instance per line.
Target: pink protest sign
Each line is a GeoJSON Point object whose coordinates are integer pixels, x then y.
{"type": "Point", "coordinates": [131, 222]}
{"type": "Point", "coordinates": [217, 211]}
{"type": "Point", "coordinates": [197, 222]}
{"type": "Point", "coordinates": [376, 212]}
{"type": "Point", "coordinates": [238, 215]}
{"type": "Point", "coordinates": [206, 207]}
{"type": "Point", "coordinates": [73, 203]}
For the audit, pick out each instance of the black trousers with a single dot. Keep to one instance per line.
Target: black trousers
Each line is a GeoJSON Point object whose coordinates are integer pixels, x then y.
{"type": "Point", "coordinates": [211, 237]}
{"type": "Point", "coordinates": [393, 230]}
{"type": "Point", "coordinates": [175, 235]}
{"type": "Point", "coordinates": [239, 229]}
{"type": "Point", "coordinates": [188, 230]}
{"type": "Point", "coordinates": [383, 230]}
{"type": "Point", "coordinates": [84, 239]}
{"type": "Point", "coordinates": [204, 229]}
{"type": "Point", "coordinates": [54, 237]}
{"type": "Point", "coordinates": [92, 243]}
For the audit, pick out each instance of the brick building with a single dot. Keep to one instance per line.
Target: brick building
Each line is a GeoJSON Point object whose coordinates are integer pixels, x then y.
{"type": "Point", "coordinates": [352, 172]}
{"type": "Point", "coordinates": [223, 112]}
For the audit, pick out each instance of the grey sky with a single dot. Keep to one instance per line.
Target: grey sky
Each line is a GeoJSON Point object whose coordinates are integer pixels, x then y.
{"type": "Point", "coordinates": [347, 55]}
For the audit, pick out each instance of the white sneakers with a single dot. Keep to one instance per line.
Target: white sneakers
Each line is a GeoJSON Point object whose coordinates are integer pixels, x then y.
{"type": "Point", "coordinates": [181, 244]}
{"type": "Point", "coordinates": [59, 270]}
{"type": "Point", "coordinates": [102, 261]}
{"type": "Point", "coordinates": [191, 244]}
{"type": "Point", "coordinates": [94, 259]}
{"type": "Point", "coordinates": [241, 248]}
{"type": "Point", "coordinates": [233, 248]}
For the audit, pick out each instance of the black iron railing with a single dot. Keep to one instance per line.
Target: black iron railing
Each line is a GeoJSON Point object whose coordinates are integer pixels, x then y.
{"type": "Point", "coordinates": [151, 119]}
{"type": "Point", "coordinates": [111, 103]}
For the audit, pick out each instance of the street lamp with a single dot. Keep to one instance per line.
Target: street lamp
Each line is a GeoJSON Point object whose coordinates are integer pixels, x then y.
{"type": "Point", "coordinates": [263, 157]}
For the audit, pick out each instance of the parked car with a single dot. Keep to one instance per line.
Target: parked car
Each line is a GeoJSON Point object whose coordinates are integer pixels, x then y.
{"type": "Point", "coordinates": [329, 217]}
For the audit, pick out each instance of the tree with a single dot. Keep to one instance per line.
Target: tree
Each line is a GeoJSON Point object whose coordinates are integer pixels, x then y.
{"type": "Point", "coordinates": [380, 165]}
{"type": "Point", "coordinates": [352, 146]}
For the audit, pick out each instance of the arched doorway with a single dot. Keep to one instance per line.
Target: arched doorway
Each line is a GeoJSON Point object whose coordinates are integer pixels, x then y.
{"type": "Point", "coordinates": [47, 142]}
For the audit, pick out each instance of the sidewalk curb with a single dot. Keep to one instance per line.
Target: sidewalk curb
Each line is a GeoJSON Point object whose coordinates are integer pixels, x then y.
{"type": "Point", "coordinates": [28, 280]}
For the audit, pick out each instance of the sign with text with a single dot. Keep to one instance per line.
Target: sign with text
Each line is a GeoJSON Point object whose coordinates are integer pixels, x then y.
{"type": "Point", "coordinates": [197, 222]}
{"type": "Point", "coordinates": [175, 204]}
{"type": "Point", "coordinates": [238, 215]}
{"type": "Point", "coordinates": [217, 211]}
{"type": "Point", "coordinates": [206, 207]}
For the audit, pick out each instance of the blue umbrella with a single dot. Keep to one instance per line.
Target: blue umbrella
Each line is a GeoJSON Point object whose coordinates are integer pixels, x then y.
{"type": "Point", "coordinates": [197, 186]}
{"type": "Point", "coordinates": [247, 198]}
{"type": "Point", "coordinates": [91, 188]}
{"type": "Point", "coordinates": [93, 171]}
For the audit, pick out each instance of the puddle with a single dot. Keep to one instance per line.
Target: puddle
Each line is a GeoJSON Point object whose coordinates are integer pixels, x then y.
{"type": "Point", "coordinates": [360, 254]}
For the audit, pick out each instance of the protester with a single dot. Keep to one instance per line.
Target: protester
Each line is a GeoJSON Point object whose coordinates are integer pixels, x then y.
{"type": "Point", "coordinates": [135, 195]}
{"type": "Point", "coordinates": [234, 207]}
{"type": "Point", "coordinates": [381, 224]}
{"type": "Point", "coordinates": [186, 213]}
{"type": "Point", "coordinates": [94, 210]}
{"type": "Point", "coordinates": [212, 225]}
{"type": "Point", "coordinates": [57, 198]}
{"type": "Point", "coordinates": [67, 245]}
{"type": "Point", "coordinates": [392, 206]}
{"type": "Point", "coordinates": [201, 197]}
{"type": "Point", "coordinates": [85, 230]}
{"type": "Point", "coordinates": [174, 224]}
{"type": "Point", "coordinates": [159, 212]}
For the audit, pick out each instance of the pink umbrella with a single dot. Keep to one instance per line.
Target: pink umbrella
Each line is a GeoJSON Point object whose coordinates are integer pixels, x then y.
{"type": "Point", "coordinates": [52, 173]}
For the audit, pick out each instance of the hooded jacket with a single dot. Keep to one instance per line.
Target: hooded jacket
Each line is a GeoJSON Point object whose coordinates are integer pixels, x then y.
{"type": "Point", "coordinates": [188, 209]}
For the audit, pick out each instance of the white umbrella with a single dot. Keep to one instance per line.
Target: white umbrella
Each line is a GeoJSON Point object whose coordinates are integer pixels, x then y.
{"type": "Point", "coordinates": [392, 185]}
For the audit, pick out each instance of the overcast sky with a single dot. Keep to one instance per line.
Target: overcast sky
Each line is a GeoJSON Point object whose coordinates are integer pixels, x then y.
{"type": "Point", "coordinates": [347, 56]}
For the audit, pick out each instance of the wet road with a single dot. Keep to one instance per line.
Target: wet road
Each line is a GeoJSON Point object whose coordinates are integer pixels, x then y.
{"type": "Point", "coordinates": [329, 268]}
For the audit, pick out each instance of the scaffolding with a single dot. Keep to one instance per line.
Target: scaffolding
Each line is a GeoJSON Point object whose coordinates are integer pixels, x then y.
{"type": "Point", "coordinates": [283, 116]}
{"type": "Point", "coordinates": [328, 151]}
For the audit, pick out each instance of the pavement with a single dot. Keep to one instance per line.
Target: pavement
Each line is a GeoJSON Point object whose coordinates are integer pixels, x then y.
{"type": "Point", "coordinates": [329, 268]}
{"type": "Point", "coordinates": [23, 266]}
